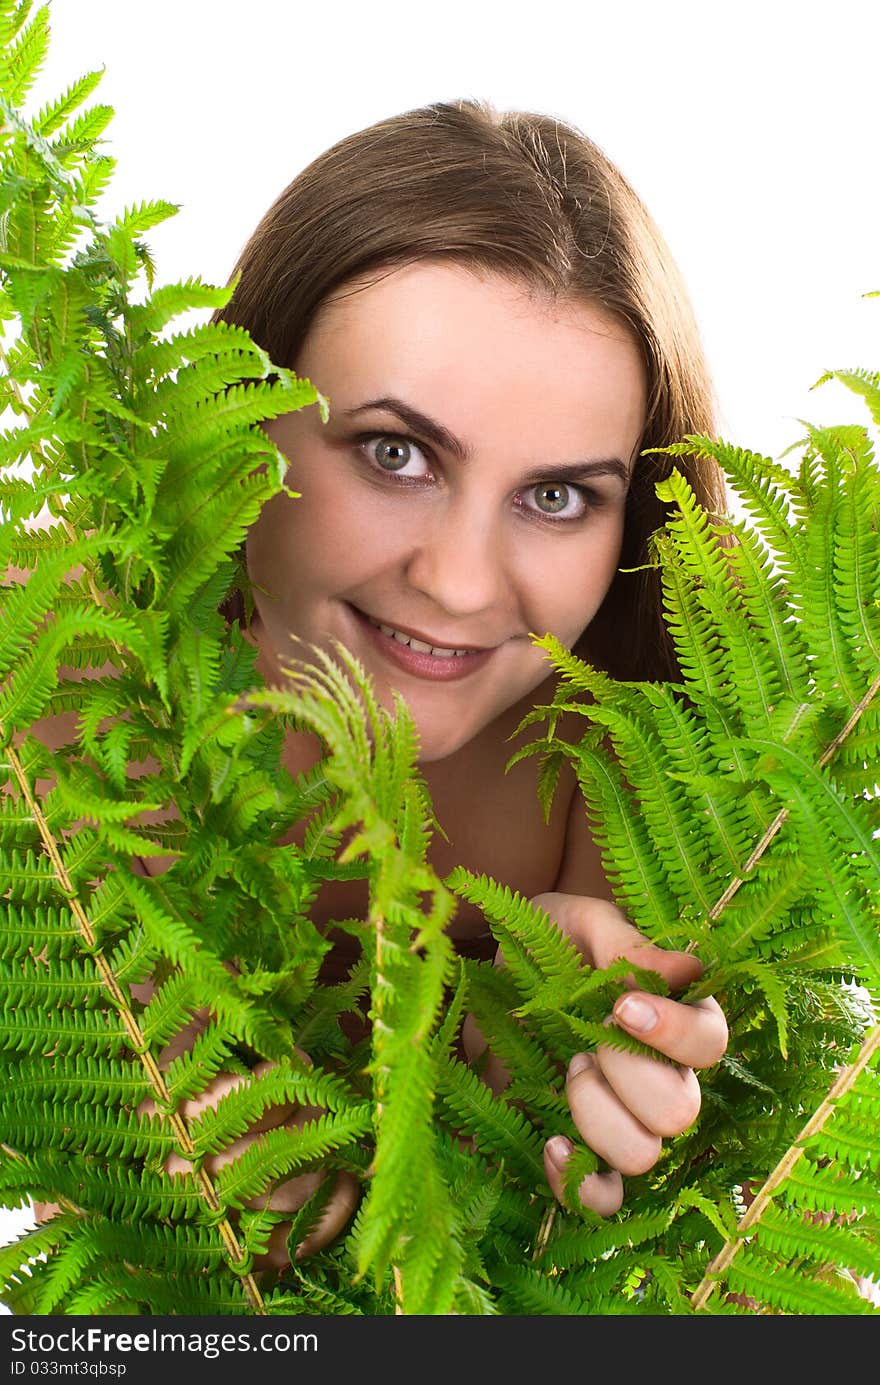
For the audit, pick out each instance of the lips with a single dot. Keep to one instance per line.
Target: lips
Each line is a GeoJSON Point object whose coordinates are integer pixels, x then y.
{"type": "Point", "coordinates": [439, 651]}
{"type": "Point", "coordinates": [410, 651]}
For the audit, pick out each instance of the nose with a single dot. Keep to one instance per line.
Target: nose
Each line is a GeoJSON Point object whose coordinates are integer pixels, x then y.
{"type": "Point", "coordinates": [458, 562]}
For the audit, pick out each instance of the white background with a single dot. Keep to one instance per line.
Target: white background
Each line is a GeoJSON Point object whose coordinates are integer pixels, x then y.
{"type": "Point", "coordinates": [748, 128]}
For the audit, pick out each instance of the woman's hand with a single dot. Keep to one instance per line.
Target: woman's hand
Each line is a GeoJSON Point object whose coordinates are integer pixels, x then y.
{"type": "Point", "coordinates": [287, 1196]}
{"type": "Point", "coordinates": [624, 1104]}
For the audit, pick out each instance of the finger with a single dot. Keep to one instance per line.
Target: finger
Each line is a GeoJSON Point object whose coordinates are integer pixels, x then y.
{"type": "Point", "coordinates": [695, 1034]}
{"type": "Point", "coordinates": [602, 934]}
{"type": "Point", "coordinates": [603, 1192]}
{"type": "Point", "coordinates": [220, 1086]}
{"type": "Point", "coordinates": [664, 1097]}
{"type": "Point", "coordinates": [606, 1124]}
{"type": "Point", "coordinates": [339, 1209]}
{"type": "Point", "coordinates": [213, 1163]}
{"type": "Point", "coordinates": [193, 1106]}
{"type": "Point", "coordinates": [281, 1112]}
{"type": "Point", "coordinates": [290, 1195]}
{"type": "Point", "coordinates": [182, 1042]}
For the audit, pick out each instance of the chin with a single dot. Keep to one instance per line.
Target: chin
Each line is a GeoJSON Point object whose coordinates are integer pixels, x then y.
{"type": "Point", "coordinates": [438, 736]}
{"type": "Point", "coordinates": [435, 745]}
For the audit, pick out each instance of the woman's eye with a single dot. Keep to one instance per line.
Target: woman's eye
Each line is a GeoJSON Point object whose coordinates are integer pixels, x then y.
{"type": "Point", "coordinates": [555, 500]}
{"type": "Point", "coordinates": [398, 456]}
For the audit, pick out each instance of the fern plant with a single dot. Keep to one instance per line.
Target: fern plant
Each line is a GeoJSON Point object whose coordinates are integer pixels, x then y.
{"type": "Point", "coordinates": [737, 812]}
{"type": "Point", "coordinates": [738, 816]}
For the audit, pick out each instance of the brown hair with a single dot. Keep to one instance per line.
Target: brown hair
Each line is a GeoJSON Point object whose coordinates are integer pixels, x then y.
{"type": "Point", "coordinates": [524, 195]}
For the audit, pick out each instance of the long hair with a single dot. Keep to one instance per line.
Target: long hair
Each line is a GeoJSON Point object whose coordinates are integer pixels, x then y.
{"type": "Point", "coordinates": [523, 195]}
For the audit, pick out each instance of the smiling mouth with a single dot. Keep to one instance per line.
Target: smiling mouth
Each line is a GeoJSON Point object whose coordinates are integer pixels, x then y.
{"type": "Point", "coordinates": [439, 651]}
{"type": "Point", "coordinates": [422, 658]}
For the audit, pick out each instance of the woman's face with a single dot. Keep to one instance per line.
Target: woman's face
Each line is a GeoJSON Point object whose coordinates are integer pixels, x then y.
{"type": "Point", "coordinates": [467, 492]}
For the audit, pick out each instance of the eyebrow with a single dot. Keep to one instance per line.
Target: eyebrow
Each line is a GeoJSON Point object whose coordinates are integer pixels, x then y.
{"type": "Point", "coordinates": [436, 433]}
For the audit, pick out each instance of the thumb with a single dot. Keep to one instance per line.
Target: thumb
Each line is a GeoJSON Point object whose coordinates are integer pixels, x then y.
{"type": "Point", "coordinates": [678, 969]}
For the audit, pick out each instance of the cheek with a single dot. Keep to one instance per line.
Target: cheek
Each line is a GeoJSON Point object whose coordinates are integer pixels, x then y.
{"type": "Point", "coordinates": [332, 537]}
{"type": "Point", "coordinates": [277, 545]}
{"type": "Point", "coordinates": [568, 592]}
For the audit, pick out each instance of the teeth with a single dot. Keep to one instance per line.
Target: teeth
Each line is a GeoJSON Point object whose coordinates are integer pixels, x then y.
{"type": "Point", "coordinates": [418, 645]}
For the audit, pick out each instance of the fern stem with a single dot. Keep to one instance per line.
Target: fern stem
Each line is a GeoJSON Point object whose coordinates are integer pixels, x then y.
{"type": "Point", "coordinates": [829, 751]}
{"type": "Point", "coordinates": [844, 1081]}
{"type": "Point", "coordinates": [544, 1232]}
{"type": "Point", "coordinates": [138, 1042]}
{"type": "Point", "coordinates": [856, 713]}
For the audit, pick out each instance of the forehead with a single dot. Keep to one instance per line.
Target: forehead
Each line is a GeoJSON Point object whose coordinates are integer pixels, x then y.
{"type": "Point", "coordinates": [473, 348]}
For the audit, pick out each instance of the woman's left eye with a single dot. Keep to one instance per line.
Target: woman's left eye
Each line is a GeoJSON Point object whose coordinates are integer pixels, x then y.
{"type": "Point", "coordinates": [397, 456]}
{"type": "Point", "coordinates": [555, 500]}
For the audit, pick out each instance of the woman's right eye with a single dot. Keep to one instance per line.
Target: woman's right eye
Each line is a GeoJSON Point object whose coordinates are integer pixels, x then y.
{"type": "Point", "coordinates": [397, 456]}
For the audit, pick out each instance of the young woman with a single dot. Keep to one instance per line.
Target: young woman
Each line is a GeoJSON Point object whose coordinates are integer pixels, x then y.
{"type": "Point", "coordinates": [500, 333]}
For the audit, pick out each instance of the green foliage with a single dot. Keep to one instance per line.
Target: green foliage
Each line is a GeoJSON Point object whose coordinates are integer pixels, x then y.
{"type": "Point", "coordinates": [736, 812]}
{"type": "Point", "coordinates": [737, 816]}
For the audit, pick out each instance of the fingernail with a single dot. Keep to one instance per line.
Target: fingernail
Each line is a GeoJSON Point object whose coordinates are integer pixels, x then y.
{"type": "Point", "coordinates": [558, 1150]}
{"type": "Point", "coordinates": [635, 1013]}
{"type": "Point", "coordinates": [579, 1063]}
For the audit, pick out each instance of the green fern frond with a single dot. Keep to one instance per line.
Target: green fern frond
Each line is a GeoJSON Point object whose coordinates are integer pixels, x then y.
{"type": "Point", "coordinates": [862, 382]}
{"type": "Point", "coordinates": [698, 646]}
{"type": "Point", "coordinates": [843, 850]}
{"type": "Point", "coordinates": [54, 114]}
{"type": "Point", "coordinates": [764, 488]}
{"type": "Point", "coordinates": [495, 1126]}
{"type": "Point", "coordinates": [586, 1245]}
{"type": "Point", "coordinates": [766, 1282]}
{"type": "Point", "coordinates": [78, 1126]}
{"type": "Point", "coordinates": [24, 58]}
{"type": "Point", "coordinates": [68, 1031]}
{"type": "Point", "coordinates": [528, 1292]}
{"type": "Point", "coordinates": [521, 922]}
{"type": "Point", "coordinates": [640, 885]}
{"type": "Point", "coordinates": [278, 1152]}
{"type": "Point", "coordinates": [795, 1237]}
{"type": "Point", "coordinates": [754, 915]}
{"type": "Point", "coordinates": [494, 1001]}
{"type": "Point", "coordinates": [78, 138]}
{"type": "Point", "coordinates": [430, 1276]}
{"type": "Point", "coordinates": [234, 1113]}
